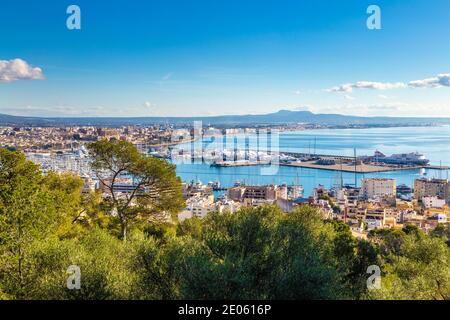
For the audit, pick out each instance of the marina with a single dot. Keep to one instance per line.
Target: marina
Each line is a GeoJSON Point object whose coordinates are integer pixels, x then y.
{"type": "Point", "coordinates": [359, 168]}
{"type": "Point", "coordinates": [330, 162]}
{"type": "Point", "coordinates": [336, 144]}
{"type": "Point", "coordinates": [365, 164]}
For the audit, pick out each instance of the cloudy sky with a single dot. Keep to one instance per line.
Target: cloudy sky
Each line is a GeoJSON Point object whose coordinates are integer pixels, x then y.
{"type": "Point", "coordinates": [203, 57]}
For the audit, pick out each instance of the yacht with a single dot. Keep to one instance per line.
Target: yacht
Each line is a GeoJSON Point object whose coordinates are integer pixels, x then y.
{"type": "Point", "coordinates": [413, 158]}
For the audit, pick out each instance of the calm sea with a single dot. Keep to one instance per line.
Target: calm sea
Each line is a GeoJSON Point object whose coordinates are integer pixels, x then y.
{"type": "Point", "coordinates": [433, 142]}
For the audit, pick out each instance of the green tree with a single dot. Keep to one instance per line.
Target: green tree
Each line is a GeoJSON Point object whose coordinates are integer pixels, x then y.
{"type": "Point", "coordinates": [162, 267]}
{"type": "Point", "coordinates": [389, 241]}
{"type": "Point", "coordinates": [103, 260]}
{"type": "Point", "coordinates": [34, 208]}
{"type": "Point", "coordinates": [307, 257]}
{"type": "Point", "coordinates": [65, 192]}
{"type": "Point", "coordinates": [414, 230]}
{"type": "Point", "coordinates": [442, 231]}
{"type": "Point", "coordinates": [156, 188]}
{"type": "Point", "coordinates": [190, 227]}
{"type": "Point", "coordinates": [27, 213]}
{"type": "Point", "coordinates": [94, 214]}
{"type": "Point", "coordinates": [261, 253]}
{"type": "Point", "coordinates": [420, 270]}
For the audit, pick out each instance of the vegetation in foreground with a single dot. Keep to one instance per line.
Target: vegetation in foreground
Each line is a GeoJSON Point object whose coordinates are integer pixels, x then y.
{"type": "Point", "coordinates": [46, 225]}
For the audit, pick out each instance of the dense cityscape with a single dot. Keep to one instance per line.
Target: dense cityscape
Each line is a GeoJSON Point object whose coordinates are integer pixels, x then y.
{"type": "Point", "coordinates": [374, 203]}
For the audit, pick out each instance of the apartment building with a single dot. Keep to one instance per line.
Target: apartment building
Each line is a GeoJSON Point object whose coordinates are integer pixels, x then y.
{"type": "Point", "coordinates": [431, 188]}
{"type": "Point", "coordinates": [198, 206]}
{"type": "Point", "coordinates": [269, 193]}
{"type": "Point", "coordinates": [378, 188]}
{"type": "Point", "coordinates": [202, 205]}
{"type": "Point", "coordinates": [375, 218]}
{"type": "Point", "coordinates": [433, 202]}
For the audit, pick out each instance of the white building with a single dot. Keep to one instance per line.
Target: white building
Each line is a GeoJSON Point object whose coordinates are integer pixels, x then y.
{"type": "Point", "coordinates": [198, 206]}
{"type": "Point", "coordinates": [227, 205]}
{"type": "Point", "coordinates": [375, 218]}
{"type": "Point", "coordinates": [433, 202]}
{"type": "Point", "coordinates": [378, 188]}
{"type": "Point", "coordinates": [201, 206]}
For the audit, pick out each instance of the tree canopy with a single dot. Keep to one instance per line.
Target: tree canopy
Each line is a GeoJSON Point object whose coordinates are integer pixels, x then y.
{"type": "Point", "coordinates": [156, 189]}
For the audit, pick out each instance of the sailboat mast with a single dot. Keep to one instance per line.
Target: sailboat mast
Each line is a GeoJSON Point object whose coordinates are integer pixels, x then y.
{"type": "Point", "coordinates": [354, 155]}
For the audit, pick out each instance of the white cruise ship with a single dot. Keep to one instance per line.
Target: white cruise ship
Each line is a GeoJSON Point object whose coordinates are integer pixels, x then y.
{"type": "Point", "coordinates": [413, 158]}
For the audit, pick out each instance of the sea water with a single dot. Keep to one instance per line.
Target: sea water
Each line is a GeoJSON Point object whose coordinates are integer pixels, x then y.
{"type": "Point", "coordinates": [432, 142]}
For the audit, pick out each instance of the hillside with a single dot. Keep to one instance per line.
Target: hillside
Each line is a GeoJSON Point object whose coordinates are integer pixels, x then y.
{"type": "Point", "coordinates": [280, 117]}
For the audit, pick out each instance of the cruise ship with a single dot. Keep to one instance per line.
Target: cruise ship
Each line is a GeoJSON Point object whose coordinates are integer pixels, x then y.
{"type": "Point", "coordinates": [413, 158]}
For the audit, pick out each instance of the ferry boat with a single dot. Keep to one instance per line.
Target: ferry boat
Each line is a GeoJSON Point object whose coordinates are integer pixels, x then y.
{"type": "Point", "coordinates": [404, 189]}
{"type": "Point", "coordinates": [413, 158]}
{"type": "Point", "coordinates": [215, 186]}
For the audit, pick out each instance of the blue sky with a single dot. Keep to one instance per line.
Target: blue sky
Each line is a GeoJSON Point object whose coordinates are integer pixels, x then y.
{"type": "Point", "coordinates": [207, 57]}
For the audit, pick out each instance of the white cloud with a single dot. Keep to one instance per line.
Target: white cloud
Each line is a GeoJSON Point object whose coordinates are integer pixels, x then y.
{"type": "Point", "coordinates": [66, 110]}
{"type": "Point", "coordinates": [287, 107]}
{"type": "Point", "coordinates": [18, 69]}
{"type": "Point", "coordinates": [388, 109]}
{"type": "Point", "coordinates": [441, 80]}
{"type": "Point", "coordinates": [392, 109]}
{"type": "Point", "coordinates": [55, 111]}
{"type": "Point", "coordinates": [148, 104]}
{"type": "Point", "coordinates": [348, 87]}
{"type": "Point", "coordinates": [349, 97]}
{"type": "Point", "coordinates": [382, 96]}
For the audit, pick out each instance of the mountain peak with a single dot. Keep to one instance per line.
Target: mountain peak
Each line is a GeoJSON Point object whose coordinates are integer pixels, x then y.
{"type": "Point", "coordinates": [288, 112]}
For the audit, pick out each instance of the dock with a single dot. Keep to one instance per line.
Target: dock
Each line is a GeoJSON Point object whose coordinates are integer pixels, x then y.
{"type": "Point", "coordinates": [341, 167]}
{"type": "Point", "coordinates": [437, 167]}
{"type": "Point", "coordinates": [360, 168]}
{"type": "Point", "coordinates": [244, 163]}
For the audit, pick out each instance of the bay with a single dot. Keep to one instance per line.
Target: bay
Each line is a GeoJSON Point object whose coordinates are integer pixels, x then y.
{"type": "Point", "coordinates": [433, 142]}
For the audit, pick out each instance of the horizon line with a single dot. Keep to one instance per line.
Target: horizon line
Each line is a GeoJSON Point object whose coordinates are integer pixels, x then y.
{"type": "Point", "coordinates": [219, 115]}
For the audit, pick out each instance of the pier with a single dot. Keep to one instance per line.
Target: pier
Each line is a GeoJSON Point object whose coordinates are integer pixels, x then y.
{"type": "Point", "coordinates": [359, 168]}
{"type": "Point", "coordinates": [343, 163]}
{"type": "Point", "coordinates": [434, 167]}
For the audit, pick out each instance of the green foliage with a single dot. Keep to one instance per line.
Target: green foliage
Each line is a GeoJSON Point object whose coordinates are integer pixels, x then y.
{"type": "Point", "coordinates": [93, 214]}
{"type": "Point", "coordinates": [28, 213]}
{"type": "Point", "coordinates": [157, 177]}
{"type": "Point", "coordinates": [161, 267]}
{"type": "Point", "coordinates": [191, 227]}
{"type": "Point", "coordinates": [442, 231]}
{"type": "Point", "coordinates": [389, 241]}
{"type": "Point", "coordinates": [354, 257]}
{"type": "Point", "coordinates": [65, 192]}
{"type": "Point", "coordinates": [413, 230]}
{"type": "Point", "coordinates": [108, 277]}
{"type": "Point", "coordinates": [261, 253]}
{"type": "Point", "coordinates": [161, 230]}
{"type": "Point", "coordinates": [420, 271]}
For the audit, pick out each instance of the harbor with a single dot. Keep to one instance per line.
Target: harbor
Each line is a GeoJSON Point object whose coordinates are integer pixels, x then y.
{"type": "Point", "coordinates": [338, 150]}
{"type": "Point", "coordinates": [359, 168]}
{"type": "Point", "coordinates": [365, 164]}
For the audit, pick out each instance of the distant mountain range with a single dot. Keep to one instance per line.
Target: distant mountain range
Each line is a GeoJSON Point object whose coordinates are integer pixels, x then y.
{"type": "Point", "coordinates": [277, 118]}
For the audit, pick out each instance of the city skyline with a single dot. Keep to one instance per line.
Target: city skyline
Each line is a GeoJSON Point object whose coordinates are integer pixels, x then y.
{"type": "Point", "coordinates": [199, 59]}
